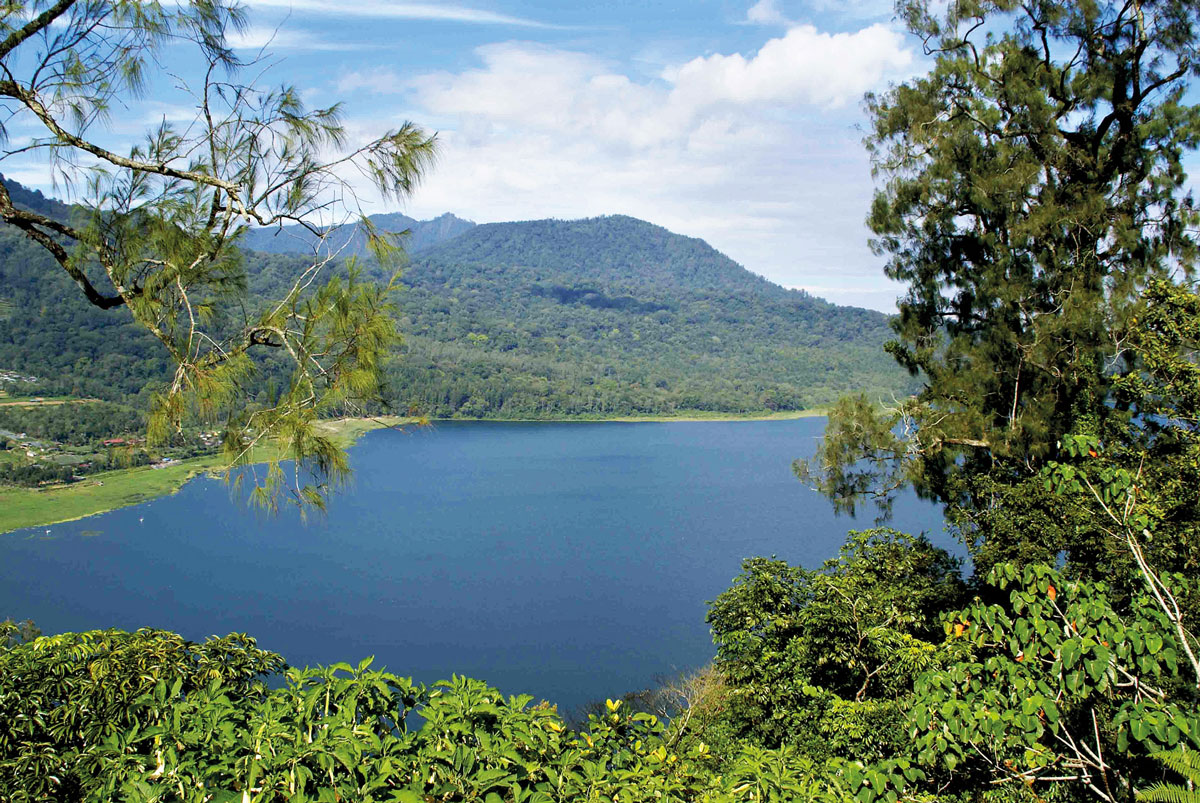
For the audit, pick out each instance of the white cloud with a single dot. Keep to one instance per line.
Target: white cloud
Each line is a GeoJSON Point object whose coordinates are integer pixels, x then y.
{"type": "Point", "coordinates": [532, 86]}
{"type": "Point", "coordinates": [766, 12]}
{"type": "Point", "coordinates": [756, 154]}
{"type": "Point", "coordinates": [393, 9]}
{"type": "Point", "coordinates": [804, 65]}
{"type": "Point", "coordinates": [265, 38]}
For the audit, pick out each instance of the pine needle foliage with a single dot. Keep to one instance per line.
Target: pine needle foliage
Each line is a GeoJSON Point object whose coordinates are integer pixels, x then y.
{"type": "Point", "coordinates": [160, 223]}
{"type": "Point", "coordinates": [1031, 186]}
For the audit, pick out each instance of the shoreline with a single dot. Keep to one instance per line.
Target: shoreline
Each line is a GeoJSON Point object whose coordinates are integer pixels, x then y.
{"type": "Point", "coordinates": [23, 508]}
{"type": "Point", "coordinates": [691, 417]}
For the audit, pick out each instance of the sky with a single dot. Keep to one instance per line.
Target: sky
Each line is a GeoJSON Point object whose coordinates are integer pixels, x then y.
{"type": "Point", "coordinates": [736, 121]}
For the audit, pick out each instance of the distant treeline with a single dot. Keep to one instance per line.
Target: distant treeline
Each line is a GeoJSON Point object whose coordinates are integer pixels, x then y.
{"type": "Point", "coordinates": [73, 424]}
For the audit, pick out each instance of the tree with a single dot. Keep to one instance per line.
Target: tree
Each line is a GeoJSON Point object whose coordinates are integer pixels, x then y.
{"type": "Point", "coordinates": [1032, 185]}
{"type": "Point", "coordinates": [1137, 482]}
{"type": "Point", "coordinates": [1053, 687]}
{"type": "Point", "coordinates": [109, 715]}
{"type": "Point", "coordinates": [159, 229]}
{"type": "Point", "coordinates": [824, 658]}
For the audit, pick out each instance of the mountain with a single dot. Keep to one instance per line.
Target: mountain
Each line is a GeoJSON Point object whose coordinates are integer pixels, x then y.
{"type": "Point", "coordinates": [617, 316]}
{"type": "Point", "coordinates": [34, 201]}
{"type": "Point", "coordinates": [615, 250]}
{"type": "Point", "coordinates": [600, 317]}
{"type": "Point", "coordinates": [352, 240]}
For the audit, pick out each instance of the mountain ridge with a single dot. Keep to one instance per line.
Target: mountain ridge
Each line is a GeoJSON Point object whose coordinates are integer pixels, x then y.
{"type": "Point", "coordinates": [351, 240]}
{"type": "Point", "coordinates": [568, 311]}
{"type": "Point", "coordinates": [606, 316]}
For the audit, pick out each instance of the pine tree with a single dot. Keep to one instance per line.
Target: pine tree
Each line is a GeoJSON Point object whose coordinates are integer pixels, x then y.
{"type": "Point", "coordinates": [1031, 186]}
{"type": "Point", "coordinates": [160, 222]}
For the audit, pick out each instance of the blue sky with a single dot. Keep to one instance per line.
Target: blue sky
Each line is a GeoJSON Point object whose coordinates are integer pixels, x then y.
{"type": "Point", "coordinates": [731, 120]}
{"type": "Point", "coordinates": [736, 121]}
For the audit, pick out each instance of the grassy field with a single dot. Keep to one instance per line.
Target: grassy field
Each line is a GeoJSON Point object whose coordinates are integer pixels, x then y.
{"type": "Point", "coordinates": [99, 493]}
{"type": "Point", "coordinates": [42, 401]}
{"type": "Point", "coordinates": [27, 507]}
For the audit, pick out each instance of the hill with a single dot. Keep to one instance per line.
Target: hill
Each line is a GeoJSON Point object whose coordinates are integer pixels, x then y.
{"type": "Point", "coordinates": [617, 316]}
{"type": "Point", "coordinates": [350, 239]}
{"type": "Point", "coordinates": [610, 316]}
{"type": "Point", "coordinates": [49, 331]}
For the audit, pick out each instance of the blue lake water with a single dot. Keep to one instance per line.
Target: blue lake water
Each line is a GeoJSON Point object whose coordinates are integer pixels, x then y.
{"type": "Point", "coordinates": [568, 561]}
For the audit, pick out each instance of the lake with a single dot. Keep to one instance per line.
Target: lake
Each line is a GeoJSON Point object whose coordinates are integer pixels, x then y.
{"type": "Point", "coordinates": [569, 561]}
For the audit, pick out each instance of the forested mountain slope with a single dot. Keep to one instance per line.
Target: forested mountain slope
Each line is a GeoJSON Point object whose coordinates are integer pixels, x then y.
{"type": "Point", "coordinates": [599, 317]}
{"type": "Point", "coordinates": [48, 330]}
{"type": "Point", "coordinates": [351, 240]}
{"type": "Point", "coordinates": [616, 316]}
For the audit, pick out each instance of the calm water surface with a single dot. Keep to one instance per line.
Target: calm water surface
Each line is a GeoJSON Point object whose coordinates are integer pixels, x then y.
{"type": "Point", "coordinates": [568, 561]}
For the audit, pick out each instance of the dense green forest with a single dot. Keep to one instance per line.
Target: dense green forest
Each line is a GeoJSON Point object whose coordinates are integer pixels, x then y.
{"type": "Point", "coordinates": [48, 331]}
{"type": "Point", "coordinates": [1034, 202]}
{"type": "Point", "coordinates": [603, 317]}
{"type": "Point", "coordinates": [616, 316]}
{"type": "Point", "coordinates": [73, 424]}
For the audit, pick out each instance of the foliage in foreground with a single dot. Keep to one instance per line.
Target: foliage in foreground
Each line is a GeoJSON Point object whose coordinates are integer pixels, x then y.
{"type": "Point", "coordinates": [827, 659]}
{"type": "Point", "coordinates": [109, 715]}
{"type": "Point", "coordinates": [1185, 763]}
{"type": "Point", "coordinates": [1039, 689]}
{"type": "Point", "coordinates": [1053, 686]}
{"type": "Point", "coordinates": [1045, 693]}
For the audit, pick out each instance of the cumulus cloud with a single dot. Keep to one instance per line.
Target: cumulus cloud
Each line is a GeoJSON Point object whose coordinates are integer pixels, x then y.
{"type": "Point", "coordinates": [805, 65]}
{"type": "Point", "coordinates": [529, 85]}
{"type": "Point", "coordinates": [755, 153]}
{"type": "Point", "coordinates": [534, 87]}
